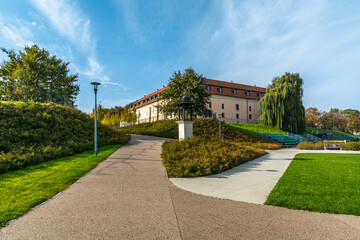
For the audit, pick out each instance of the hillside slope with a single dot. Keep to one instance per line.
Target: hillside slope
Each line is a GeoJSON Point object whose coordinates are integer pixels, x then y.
{"type": "Point", "coordinates": [32, 133]}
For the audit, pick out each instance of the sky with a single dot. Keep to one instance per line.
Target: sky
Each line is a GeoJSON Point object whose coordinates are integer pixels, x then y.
{"type": "Point", "coordinates": [133, 47]}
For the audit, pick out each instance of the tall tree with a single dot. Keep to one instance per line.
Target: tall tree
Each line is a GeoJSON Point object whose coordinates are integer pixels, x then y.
{"type": "Point", "coordinates": [33, 74]}
{"type": "Point", "coordinates": [282, 105]}
{"type": "Point", "coordinates": [313, 116]}
{"type": "Point", "coordinates": [187, 83]}
{"type": "Point", "coordinates": [353, 119]}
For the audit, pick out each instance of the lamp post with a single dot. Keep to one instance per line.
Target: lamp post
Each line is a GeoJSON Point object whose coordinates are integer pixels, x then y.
{"type": "Point", "coordinates": [96, 84]}
{"type": "Point", "coordinates": [220, 126]}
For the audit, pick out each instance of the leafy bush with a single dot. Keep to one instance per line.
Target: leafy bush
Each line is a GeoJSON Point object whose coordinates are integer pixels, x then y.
{"type": "Point", "coordinates": [32, 133]}
{"type": "Point", "coordinates": [351, 146]}
{"type": "Point", "coordinates": [311, 146]}
{"type": "Point", "coordinates": [203, 156]}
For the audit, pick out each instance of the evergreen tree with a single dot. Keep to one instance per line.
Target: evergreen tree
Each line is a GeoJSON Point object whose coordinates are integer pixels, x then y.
{"type": "Point", "coordinates": [282, 105]}
{"type": "Point", "coordinates": [33, 74]}
{"type": "Point", "coordinates": [191, 84]}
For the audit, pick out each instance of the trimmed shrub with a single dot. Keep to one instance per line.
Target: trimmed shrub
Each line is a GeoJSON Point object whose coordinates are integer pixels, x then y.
{"type": "Point", "coordinates": [32, 133]}
{"type": "Point", "coordinates": [204, 156]}
{"type": "Point", "coordinates": [351, 146]}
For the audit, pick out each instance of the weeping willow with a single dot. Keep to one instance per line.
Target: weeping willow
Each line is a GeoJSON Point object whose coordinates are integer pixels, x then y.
{"type": "Point", "coordinates": [282, 105]}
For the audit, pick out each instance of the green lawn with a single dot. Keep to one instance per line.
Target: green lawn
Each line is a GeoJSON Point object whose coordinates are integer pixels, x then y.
{"type": "Point", "coordinates": [320, 182]}
{"type": "Point", "coordinates": [256, 129]}
{"type": "Point", "coordinates": [23, 189]}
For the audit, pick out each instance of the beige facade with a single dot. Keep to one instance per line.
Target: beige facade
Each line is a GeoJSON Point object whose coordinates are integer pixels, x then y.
{"type": "Point", "coordinates": [231, 102]}
{"type": "Point", "coordinates": [233, 109]}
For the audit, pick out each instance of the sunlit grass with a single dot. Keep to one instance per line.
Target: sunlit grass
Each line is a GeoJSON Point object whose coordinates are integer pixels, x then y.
{"type": "Point", "coordinates": [23, 189]}
{"type": "Point", "coordinates": [321, 183]}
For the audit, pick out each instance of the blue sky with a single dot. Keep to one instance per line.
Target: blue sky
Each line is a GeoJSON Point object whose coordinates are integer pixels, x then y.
{"type": "Point", "coordinates": [132, 47]}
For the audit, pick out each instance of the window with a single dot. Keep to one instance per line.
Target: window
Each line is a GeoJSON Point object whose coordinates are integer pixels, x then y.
{"type": "Point", "coordinates": [237, 116]}
{"type": "Point", "coordinates": [250, 116]}
{"type": "Point", "coordinates": [207, 87]}
{"type": "Point", "coordinates": [223, 115]}
{"type": "Point", "coordinates": [223, 106]}
{"type": "Point", "coordinates": [209, 104]}
{"type": "Point", "coordinates": [247, 93]}
{"type": "Point", "coordinates": [234, 91]}
{"type": "Point", "coordinates": [249, 108]}
{"type": "Point", "coordinates": [220, 89]}
{"type": "Point", "coordinates": [237, 106]}
{"type": "Point", "coordinates": [259, 94]}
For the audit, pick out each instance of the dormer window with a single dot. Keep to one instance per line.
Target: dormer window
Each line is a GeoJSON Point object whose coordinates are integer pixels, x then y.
{"type": "Point", "coordinates": [220, 89]}
{"type": "Point", "coordinates": [207, 88]}
{"type": "Point", "coordinates": [247, 93]}
{"type": "Point", "coordinates": [259, 94]}
{"type": "Point", "coordinates": [234, 91]}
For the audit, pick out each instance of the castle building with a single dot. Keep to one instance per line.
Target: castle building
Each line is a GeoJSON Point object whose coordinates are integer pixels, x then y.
{"type": "Point", "coordinates": [231, 102]}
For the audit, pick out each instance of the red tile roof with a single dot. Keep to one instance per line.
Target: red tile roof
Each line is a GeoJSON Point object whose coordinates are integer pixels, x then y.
{"type": "Point", "coordinates": [227, 88]}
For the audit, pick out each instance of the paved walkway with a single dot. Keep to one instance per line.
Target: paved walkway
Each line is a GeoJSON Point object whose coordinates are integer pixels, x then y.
{"type": "Point", "coordinates": [129, 196]}
{"type": "Point", "coordinates": [250, 182]}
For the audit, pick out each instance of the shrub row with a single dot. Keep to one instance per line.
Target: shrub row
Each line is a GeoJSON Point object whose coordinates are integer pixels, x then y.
{"type": "Point", "coordinates": [204, 156]}
{"type": "Point", "coordinates": [351, 146]}
{"type": "Point", "coordinates": [32, 133]}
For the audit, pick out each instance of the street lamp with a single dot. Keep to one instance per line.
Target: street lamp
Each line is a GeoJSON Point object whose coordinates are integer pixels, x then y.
{"type": "Point", "coordinates": [96, 84]}
{"type": "Point", "coordinates": [220, 126]}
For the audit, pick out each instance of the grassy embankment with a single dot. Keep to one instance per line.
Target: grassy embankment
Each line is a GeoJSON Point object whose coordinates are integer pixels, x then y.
{"type": "Point", "coordinates": [32, 133]}
{"type": "Point", "coordinates": [34, 138]}
{"type": "Point", "coordinates": [256, 129]}
{"type": "Point", "coordinates": [23, 189]}
{"type": "Point", "coordinates": [320, 182]}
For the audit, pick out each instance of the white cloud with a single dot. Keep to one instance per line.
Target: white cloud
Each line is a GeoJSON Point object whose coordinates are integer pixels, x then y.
{"type": "Point", "coordinates": [17, 33]}
{"type": "Point", "coordinates": [69, 21]}
{"type": "Point", "coordinates": [254, 41]}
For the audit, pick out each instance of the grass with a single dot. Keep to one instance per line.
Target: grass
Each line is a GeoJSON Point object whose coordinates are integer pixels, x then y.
{"type": "Point", "coordinates": [310, 130]}
{"type": "Point", "coordinates": [256, 129]}
{"type": "Point", "coordinates": [320, 182]}
{"type": "Point", "coordinates": [23, 189]}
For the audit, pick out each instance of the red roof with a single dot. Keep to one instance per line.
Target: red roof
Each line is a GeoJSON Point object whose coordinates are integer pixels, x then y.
{"type": "Point", "coordinates": [227, 90]}
{"type": "Point", "coordinates": [153, 97]}
{"type": "Point", "coordinates": [228, 87]}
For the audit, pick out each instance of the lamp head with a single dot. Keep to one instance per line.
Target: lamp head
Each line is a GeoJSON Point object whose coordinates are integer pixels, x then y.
{"type": "Point", "coordinates": [96, 84]}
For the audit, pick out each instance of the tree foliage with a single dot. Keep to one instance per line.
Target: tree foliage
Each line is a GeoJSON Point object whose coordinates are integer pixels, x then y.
{"type": "Point", "coordinates": [191, 84]}
{"type": "Point", "coordinates": [282, 105]}
{"type": "Point", "coordinates": [313, 116]}
{"type": "Point", "coordinates": [33, 74]}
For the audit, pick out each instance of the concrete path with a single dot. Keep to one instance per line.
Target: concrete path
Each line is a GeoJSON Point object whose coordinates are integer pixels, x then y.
{"type": "Point", "coordinates": [250, 182]}
{"type": "Point", "coordinates": [129, 196]}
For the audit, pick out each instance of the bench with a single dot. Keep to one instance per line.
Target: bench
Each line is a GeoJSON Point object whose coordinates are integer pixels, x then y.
{"type": "Point", "coordinates": [332, 147]}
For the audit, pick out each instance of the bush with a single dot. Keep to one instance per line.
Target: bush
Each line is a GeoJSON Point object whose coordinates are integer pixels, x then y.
{"type": "Point", "coordinates": [164, 128]}
{"type": "Point", "coordinates": [311, 146]}
{"type": "Point", "coordinates": [32, 133]}
{"type": "Point", "coordinates": [203, 156]}
{"type": "Point", "coordinates": [351, 146]}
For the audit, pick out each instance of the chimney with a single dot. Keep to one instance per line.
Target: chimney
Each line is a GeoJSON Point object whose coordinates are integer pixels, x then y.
{"type": "Point", "coordinates": [231, 81]}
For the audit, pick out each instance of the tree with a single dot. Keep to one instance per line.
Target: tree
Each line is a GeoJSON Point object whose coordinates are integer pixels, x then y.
{"type": "Point", "coordinates": [313, 117]}
{"type": "Point", "coordinates": [333, 120]}
{"type": "Point", "coordinates": [353, 119]}
{"type": "Point", "coordinates": [282, 105]}
{"type": "Point", "coordinates": [187, 83]}
{"type": "Point", "coordinates": [33, 74]}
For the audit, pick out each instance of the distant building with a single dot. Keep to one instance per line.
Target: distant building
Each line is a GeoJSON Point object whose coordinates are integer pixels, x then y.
{"type": "Point", "coordinates": [232, 102]}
